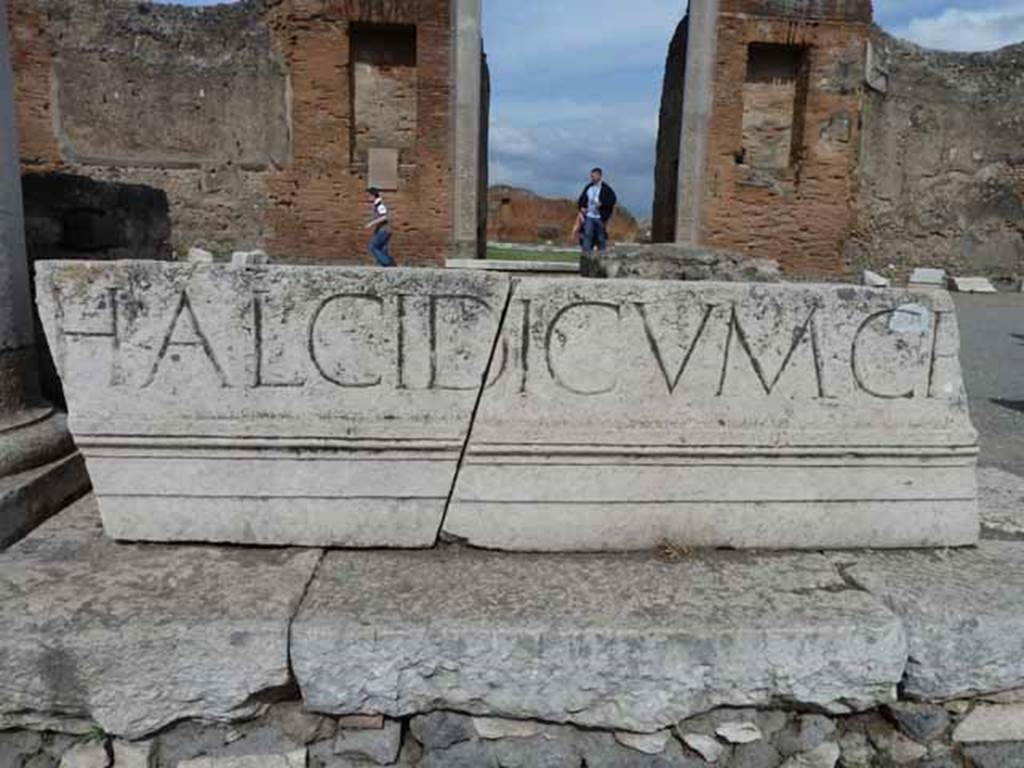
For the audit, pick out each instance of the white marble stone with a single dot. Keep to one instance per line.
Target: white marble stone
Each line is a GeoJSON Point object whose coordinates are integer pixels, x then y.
{"type": "Point", "coordinates": [625, 414]}
{"type": "Point", "coordinates": [926, 276]}
{"type": "Point", "coordinates": [972, 285]}
{"type": "Point", "coordinates": [273, 405]}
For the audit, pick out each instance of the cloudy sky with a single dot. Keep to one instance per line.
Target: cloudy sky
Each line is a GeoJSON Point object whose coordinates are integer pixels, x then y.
{"type": "Point", "coordinates": [577, 83]}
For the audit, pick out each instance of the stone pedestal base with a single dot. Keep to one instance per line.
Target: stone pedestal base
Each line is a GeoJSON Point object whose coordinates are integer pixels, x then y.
{"type": "Point", "coordinates": [28, 498]}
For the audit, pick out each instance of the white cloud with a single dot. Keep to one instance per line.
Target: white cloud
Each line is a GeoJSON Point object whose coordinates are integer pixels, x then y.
{"type": "Point", "coordinates": [960, 29]}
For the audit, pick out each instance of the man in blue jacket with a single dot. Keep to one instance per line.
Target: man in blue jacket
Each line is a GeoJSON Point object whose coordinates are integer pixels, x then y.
{"type": "Point", "coordinates": [597, 204]}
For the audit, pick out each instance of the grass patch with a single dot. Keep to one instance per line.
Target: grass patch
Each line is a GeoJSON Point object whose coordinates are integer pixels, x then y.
{"type": "Point", "coordinates": [518, 254]}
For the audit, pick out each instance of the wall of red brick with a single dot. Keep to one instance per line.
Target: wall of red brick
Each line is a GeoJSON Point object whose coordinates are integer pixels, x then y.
{"type": "Point", "coordinates": [250, 108]}
{"type": "Point", "coordinates": [802, 216]}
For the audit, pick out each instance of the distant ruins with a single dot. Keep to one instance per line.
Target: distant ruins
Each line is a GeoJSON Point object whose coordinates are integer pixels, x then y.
{"type": "Point", "coordinates": [798, 131]}
{"type": "Point", "coordinates": [520, 216]}
{"type": "Point", "coordinates": [790, 129]}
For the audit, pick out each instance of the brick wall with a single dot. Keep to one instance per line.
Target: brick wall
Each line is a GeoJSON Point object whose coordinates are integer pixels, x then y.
{"type": "Point", "coordinates": [243, 115]}
{"type": "Point", "coordinates": [799, 212]}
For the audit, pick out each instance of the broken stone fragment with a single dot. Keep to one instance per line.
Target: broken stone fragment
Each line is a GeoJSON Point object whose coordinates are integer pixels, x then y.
{"type": "Point", "coordinates": [380, 746]}
{"type": "Point", "coordinates": [134, 754]}
{"type": "Point", "coordinates": [739, 732]}
{"type": "Point", "coordinates": [492, 728]}
{"type": "Point", "coordinates": [922, 722]}
{"type": "Point", "coordinates": [648, 743]}
{"type": "Point", "coordinates": [86, 754]}
{"type": "Point", "coordinates": [439, 730]}
{"type": "Point", "coordinates": [707, 747]}
{"type": "Point", "coordinates": [255, 258]}
{"type": "Point", "coordinates": [823, 756]}
{"type": "Point", "coordinates": [875, 280]}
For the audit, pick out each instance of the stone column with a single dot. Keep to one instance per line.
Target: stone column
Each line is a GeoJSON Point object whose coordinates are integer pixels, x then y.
{"type": "Point", "coordinates": [468, 64]}
{"type": "Point", "coordinates": [698, 99]}
{"type": "Point", "coordinates": [34, 442]}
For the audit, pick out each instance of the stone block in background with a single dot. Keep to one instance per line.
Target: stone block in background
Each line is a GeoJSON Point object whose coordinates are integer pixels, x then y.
{"type": "Point", "coordinates": [926, 276]}
{"type": "Point", "coordinates": [278, 405]}
{"type": "Point", "coordinates": [669, 261]}
{"type": "Point", "coordinates": [874, 280]}
{"type": "Point", "coordinates": [972, 285]}
{"type": "Point", "coordinates": [627, 413]}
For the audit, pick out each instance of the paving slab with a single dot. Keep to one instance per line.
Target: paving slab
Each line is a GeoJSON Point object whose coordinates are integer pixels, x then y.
{"type": "Point", "coordinates": [626, 642]}
{"type": "Point", "coordinates": [136, 637]}
{"type": "Point", "coordinates": [1001, 498]}
{"type": "Point", "coordinates": [963, 611]}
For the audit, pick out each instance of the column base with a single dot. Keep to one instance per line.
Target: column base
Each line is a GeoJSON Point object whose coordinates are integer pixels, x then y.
{"type": "Point", "coordinates": [30, 497]}
{"type": "Point", "coordinates": [34, 438]}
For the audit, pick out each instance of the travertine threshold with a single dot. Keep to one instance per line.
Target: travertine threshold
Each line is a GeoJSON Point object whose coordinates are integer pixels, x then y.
{"type": "Point", "coordinates": [369, 408]}
{"type": "Point", "coordinates": [135, 637]}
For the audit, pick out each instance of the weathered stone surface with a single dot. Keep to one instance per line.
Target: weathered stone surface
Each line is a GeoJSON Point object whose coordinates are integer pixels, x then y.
{"type": "Point", "coordinates": [739, 732]}
{"type": "Point", "coordinates": [379, 746]}
{"type": "Point", "coordinates": [270, 405]}
{"type": "Point", "coordinates": [30, 497]}
{"type": "Point", "coordinates": [996, 755]}
{"type": "Point", "coordinates": [856, 751]}
{"type": "Point", "coordinates": [804, 734]}
{"type": "Point", "coordinates": [963, 612]}
{"type": "Point", "coordinates": [295, 759]}
{"type": "Point", "coordinates": [1001, 498]}
{"type": "Point", "coordinates": [439, 730]}
{"type": "Point", "coordinates": [755, 754]}
{"type": "Point", "coordinates": [648, 743]}
{"type": "Point", "coordinates": [628, 413]}
{"type": "Point", "coordinates": [134, 754]}
{"type": "Point", "coordinates": [492, 728]}
{"type": "Point", "coordinates": [875, 280]}
{"type": "Point", "coordinates": [89, 754]}
{"type": "Point", "coordinates": [989, 723]}
{"type": "Point", "coordinates": [137, 637]}
{"type": "Point", "coordinates": [922, 722]}
{"type": "Point", "coordinates": [707, 747]}
{"type": "Point", "coordinates": [927, 276]}
{"type": "Point", "coordinates": [972, 285]}
{"type": "Point", "coordinates": [622, 642]}
{"type": "Point", "coordinates": [294, 721]}
{"type": "Point", "coordinates": [824, 756]}
{"type": "Point", "coordinates": [672, 261]}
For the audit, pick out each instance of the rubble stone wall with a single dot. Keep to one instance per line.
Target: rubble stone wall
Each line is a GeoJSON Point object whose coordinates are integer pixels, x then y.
{"type": "Point", "coordinates": [942, 162]}
{"type": "Point", "coordinates": [985, 732]}
{"type": "Point", "coordinates": [245, 115]}
{"type": "Point", "coordinates": [798, 214]}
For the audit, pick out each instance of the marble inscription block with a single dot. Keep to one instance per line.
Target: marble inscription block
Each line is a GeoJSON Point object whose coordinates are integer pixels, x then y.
{"type": "Point", "coordinates": [277, 405]}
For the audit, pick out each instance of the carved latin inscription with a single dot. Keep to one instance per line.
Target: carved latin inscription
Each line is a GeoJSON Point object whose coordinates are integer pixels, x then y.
{"type": "Point", "coordinates": [364, 340]}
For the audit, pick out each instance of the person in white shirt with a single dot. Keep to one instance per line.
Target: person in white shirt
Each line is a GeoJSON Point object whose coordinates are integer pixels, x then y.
{"type": "Point", "coordinates": [381, 226]}
{"type": "Point", "coordinates": [596, 206]}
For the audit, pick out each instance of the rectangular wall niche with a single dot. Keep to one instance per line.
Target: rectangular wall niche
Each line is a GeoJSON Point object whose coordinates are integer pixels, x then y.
{"type": "Point", "coordinates": [384, 89]}
{"type": "Point", "coordinates": [774, 100]}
